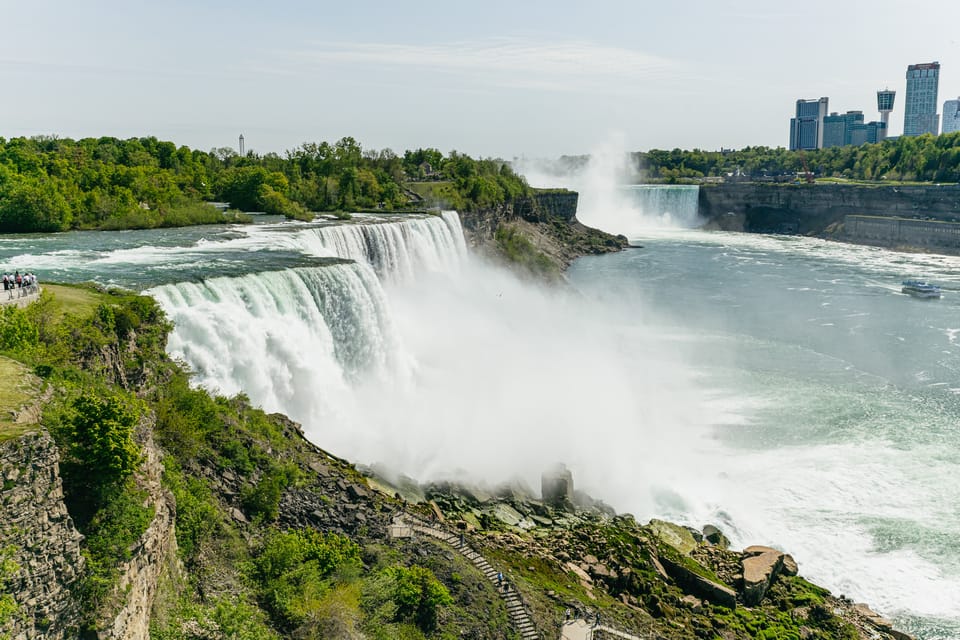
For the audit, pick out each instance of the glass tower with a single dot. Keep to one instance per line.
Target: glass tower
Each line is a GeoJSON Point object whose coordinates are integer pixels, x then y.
{"type": "Point", "coordinates": [951, 116]}
{"type": "Point", "coordinates": [806, 129]}
{"type": "Point", "coordinates": [920, 115]}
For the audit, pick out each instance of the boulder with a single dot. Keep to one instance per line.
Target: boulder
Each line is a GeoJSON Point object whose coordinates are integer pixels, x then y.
{"type": "Point", "coordinates": [674, 535]}
{"type": "Point", "coordinates": [760, 569]}
{"type": "Point", "coordinates": [880, 623]}
{"type": "Point", "coordinates": [789, 565]}
{"type": "Point", "coordinates": [691, 581]}
{"type": "Point", "coordinates": [714, 536]}
{"type": "Point", "coordinates": [556, 487]}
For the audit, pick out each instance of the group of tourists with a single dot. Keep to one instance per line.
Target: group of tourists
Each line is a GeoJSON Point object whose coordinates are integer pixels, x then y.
{"type": "Point", "coordinates": [18, 284]}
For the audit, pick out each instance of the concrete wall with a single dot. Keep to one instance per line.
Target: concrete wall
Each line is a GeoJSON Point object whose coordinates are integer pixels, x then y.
{"type": "Point", "coordinates": [902, 232]}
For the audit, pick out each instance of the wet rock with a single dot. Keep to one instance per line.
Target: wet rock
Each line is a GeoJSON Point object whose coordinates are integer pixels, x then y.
{"type": "Point", "coordinates": [674, 535]}
{"type": "Point", "coordinates": [714, 536]}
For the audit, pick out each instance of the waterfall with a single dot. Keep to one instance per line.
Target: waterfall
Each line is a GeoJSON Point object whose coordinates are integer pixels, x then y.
{"type": "Point", "coordinates": [304, 341]}
{"type": "Point", "coordinates": [670, 205]}
{"type": "Point", "coordinates": [634, 210]}
{"type": "Point", "coordinates": [396, 250]}
{"type": "Point", "coordinates": [293, 340]}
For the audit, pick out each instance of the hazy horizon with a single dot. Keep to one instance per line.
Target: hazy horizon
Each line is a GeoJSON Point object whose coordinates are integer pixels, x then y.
{"type": "Point", "coordinates": [507, 80]}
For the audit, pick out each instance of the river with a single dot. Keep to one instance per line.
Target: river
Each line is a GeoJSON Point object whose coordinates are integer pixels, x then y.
{"type": "Point", "coordinates": [779, 387]}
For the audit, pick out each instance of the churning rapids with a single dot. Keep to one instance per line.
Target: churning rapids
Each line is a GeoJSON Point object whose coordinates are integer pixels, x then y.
{"type": "Point", "coordinates": [781, 388]}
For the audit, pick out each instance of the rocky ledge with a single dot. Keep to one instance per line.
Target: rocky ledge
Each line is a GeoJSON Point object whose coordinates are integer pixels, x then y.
{"type": "Point", "coordinates": [568, 552]}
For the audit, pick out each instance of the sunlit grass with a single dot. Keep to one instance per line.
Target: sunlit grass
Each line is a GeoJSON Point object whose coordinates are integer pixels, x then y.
{"type": "Point", "coordinates": [20, 388]}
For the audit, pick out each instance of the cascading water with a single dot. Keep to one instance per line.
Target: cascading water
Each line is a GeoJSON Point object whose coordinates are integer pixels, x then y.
{"type": "Point", "coordinates": [609, 199]}
{"type": "Point", "coordinates": [396, 250]}
{"type": "Point", "coordinates": [666, 205]}
{"type": "Point", "coordinates": [305, 340]}
{"type": "Point", "coordinates": [292, 340]}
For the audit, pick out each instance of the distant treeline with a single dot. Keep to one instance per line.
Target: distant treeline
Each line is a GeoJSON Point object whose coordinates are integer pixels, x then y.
{"type": "Point", "coordinates": [924, 158]}
{"type": "Point", "coordinates": [920, 158]}
{"type": "Point", "coordinates": [54, 184]}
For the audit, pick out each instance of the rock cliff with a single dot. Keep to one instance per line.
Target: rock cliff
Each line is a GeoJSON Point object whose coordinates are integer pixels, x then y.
{"type": "Point", "coordinates": [44, 543]}
{"type": "Point", "coordinates": [812, 208]}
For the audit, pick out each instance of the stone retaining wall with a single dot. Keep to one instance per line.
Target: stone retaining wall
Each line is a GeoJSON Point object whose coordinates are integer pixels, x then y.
{"type": "Point", "coordinates": [903, 232]}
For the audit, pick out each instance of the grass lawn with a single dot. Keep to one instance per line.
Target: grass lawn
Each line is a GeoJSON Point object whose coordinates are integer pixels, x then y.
{"type": "Point", "coordinates": [75, 300]}
{"type": "Point", "coordinates": [21, 388]}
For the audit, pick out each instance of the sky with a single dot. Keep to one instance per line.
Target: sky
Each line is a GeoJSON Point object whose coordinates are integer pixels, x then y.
{"type": "Point", "coordinates": [509, 79]}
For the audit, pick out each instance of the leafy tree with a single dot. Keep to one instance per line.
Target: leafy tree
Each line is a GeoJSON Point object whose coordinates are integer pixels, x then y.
{"type": "Point", "coordinates": [101, 438]}
{"type": "Point", "coordinates": [418, 594]}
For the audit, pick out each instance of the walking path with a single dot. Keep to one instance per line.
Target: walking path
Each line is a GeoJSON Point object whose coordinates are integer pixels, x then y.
{"type": "Point", "coordinates": [21, 296]}
{"type": "Point", "coordinates": [405, 525]}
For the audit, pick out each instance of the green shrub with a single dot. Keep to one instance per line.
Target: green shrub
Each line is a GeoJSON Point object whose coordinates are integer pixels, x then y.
{"type": "Point", "coordinates": [101, 439]}
{"type": "Point", "coordinates": [197, 513]}
{"type": "Point", "coordinates": [8, 605]}
{"type": "Point", "coordinates": [262, 500]}
{"type": "Point", "coordinates": [16, 329]}
{"type": "Point", "coordinates": [294, 571]}
{"type": "Point", "coordinates": [517, 248]}
{"type": "Point", "coordinates": [417, 595]}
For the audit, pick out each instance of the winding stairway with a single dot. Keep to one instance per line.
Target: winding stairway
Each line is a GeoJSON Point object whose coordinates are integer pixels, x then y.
{"type": "Point", "coordinates": [405, 525]}
{"type": "Point", "coordinates": [516, 607]}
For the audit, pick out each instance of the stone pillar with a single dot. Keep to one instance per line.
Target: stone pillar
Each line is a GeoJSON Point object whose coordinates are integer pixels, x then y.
{"type": "Point", "coordinates": [556, 487]}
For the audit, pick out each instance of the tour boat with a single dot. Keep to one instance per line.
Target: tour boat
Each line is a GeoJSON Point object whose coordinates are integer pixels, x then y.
{"type": "Point", "coordinates": [920, 289]}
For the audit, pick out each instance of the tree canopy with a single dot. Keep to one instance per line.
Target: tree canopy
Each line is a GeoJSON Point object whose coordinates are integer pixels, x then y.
{"type": "Point", "coordinates": [55, 184]}
{"type": "Point", "coordinates": [925, 158]}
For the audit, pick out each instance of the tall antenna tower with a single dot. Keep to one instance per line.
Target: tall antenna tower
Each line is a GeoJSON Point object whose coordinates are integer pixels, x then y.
{"type": "Point", "coordinates": [241, 145]}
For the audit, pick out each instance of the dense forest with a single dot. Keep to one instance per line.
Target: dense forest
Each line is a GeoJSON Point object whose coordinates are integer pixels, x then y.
{"type": "Point", "coordinates": [921, 158]}
{"type": "Point", "coordinates": [55, 184]}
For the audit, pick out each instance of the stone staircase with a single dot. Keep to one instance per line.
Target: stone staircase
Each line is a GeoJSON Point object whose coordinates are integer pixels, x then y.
{"type": "Point", "coordinates": [405, 525]}
{"type": "Point", "coordinates": [516, 607]}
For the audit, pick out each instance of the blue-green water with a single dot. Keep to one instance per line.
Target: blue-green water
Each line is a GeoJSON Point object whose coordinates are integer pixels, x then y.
{"type": "Point", "coordinates": [843, 441]}
{"type": "Point", "coordinates": [782, 388]}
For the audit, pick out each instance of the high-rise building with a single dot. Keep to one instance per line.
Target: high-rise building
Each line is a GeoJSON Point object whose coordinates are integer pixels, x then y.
{"type": "Point", "coordinates": [951, 116]}
{"type": "Point", "coordinates": [870, 132]}
{"type": "Point", "coordinates": [806, 129]}
{"type": "Point", "coordinates": [920, 113]}
{"type": "Point", "coordinates": [838, 127]}
{"type": "Point", "coordinates": [885, 106]}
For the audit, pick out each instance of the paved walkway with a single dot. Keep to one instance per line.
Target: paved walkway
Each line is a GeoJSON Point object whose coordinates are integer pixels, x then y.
{"type": "Point", "coordinates": [583, 630]}
{"type": "Point", "coordinates": [576, 630]}
{"type": "Point", "coordinates": [405, 525]}
{"type": "Point", "coordinates": [20, 297]}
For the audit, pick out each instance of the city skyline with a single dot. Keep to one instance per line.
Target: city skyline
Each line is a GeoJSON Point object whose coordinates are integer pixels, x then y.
{"type": "Point", "coordinates": [514, 79]}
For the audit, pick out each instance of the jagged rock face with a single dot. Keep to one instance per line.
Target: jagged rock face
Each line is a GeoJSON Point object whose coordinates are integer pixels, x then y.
{"type": "Point", "coordinates": [46, 545]}
{"type": "Point", "coordinates": [155, 552]}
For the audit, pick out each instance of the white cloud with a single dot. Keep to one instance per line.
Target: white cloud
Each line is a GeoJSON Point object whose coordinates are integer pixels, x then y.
{"type": "Point", "coordinates": [504, 56]}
